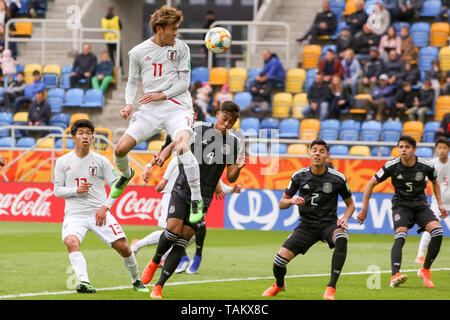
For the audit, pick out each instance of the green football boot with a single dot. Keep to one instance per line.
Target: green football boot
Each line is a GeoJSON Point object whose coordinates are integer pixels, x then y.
{"type": "Point", "coordinates": [120, 184]}
{"type": "Point", "coordinates": [139, 286]}
{"type": "Point", "coordinates": [85, 287]}
{"type": "Point", "coordinates": [196, 214]}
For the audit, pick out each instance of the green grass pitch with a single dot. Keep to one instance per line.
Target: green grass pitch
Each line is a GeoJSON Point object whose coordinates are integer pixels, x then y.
{"type": "Point", "coordinates": [237, 265]}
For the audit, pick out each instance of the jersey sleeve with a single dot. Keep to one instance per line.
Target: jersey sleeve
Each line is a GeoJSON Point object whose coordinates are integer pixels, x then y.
{"type": "Point", "coordinates": [431, 173]}
{"type": "Point", "coordinates": [292, 188]}
{"type": "Point", "coordinates": [184, 64]}
{"type": "Point", "coordinates": [133, 77]}
{"type": "Point", "coordinates": [383, 174]}
{"type": "Point", "coordinates": [344, 190]}
{"type": "Point", "coordinates": [59, 184]}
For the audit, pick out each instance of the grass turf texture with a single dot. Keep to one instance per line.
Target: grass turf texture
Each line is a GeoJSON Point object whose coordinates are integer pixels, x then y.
{"type": "Point", "coordinates": [33, 259]}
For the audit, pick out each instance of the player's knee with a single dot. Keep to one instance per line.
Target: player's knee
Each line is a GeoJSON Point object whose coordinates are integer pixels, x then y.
{"type": "Point", "coordinates": [72, 243]}
{"type": "Point", "coordinates": [119, 151]}
{"type": "Point", "coordinates": [340, 239]}
{"type": "Point", "coordinates": [122, 248]}
{"type": "Point", "coordinates": [437, 233]}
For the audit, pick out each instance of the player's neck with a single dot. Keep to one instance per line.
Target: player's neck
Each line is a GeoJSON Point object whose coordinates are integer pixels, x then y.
{"type": "Point", "coordinates": [443, 160]}
{"type": "Point", "coordinates": [81, 152]}
{"type": "Point", "coordinates": [158, 41]}
{"type": "Point", "coordinates": [408, 162]}
{"type": "Point", "coordinates": [318, 170]}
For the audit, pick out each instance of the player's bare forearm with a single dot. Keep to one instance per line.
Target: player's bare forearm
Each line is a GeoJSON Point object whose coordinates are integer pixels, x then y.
{"type": "Point", "coordinates": [152, 97]}
{"type": "Point", "coordinates": [233, 173]}
{"type": "Point", "coordinates": [286, 201]}
{"type": "Point", "coordinates": [350, 209]}
{"type": "Point", "coordinates": [437, 191]}
{"type": "Point", "coordinates": [367, 194]}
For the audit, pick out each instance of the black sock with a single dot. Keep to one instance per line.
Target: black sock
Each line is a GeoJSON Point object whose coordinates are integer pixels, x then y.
{"type": "Point", "coordinates": [172, 260]}
{"type": "Point", "coordinates": [199, 240]}
{"type": "Point", "coordinates": [396, 252]}
{"type": "Point", "coordinates": [166, 241]}
{"type": "Point", "coordinates": [433, 247]}
{"type": "Point", "coordinates": [279, 269]}
{"type": "Point", "coordinates": [339, 255]}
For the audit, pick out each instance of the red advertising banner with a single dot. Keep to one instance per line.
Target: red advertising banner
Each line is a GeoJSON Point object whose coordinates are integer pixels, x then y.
{"type": "Point", "coordinates": [35, 202]}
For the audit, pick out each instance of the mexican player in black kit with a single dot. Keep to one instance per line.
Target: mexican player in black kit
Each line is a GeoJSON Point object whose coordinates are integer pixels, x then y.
{"type": "Point", "coordinates": [318, 188]}
{"type": "Point", "coordinates": [409, 206]}
{"type": "Point", "coordinates": [215, 148]}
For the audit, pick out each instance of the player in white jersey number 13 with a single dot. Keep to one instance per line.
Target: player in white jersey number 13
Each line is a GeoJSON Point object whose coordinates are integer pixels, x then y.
{"type": "Point", "coordinates": [80, 177]}
{"type": "Point", "coordinates": [163, 64]}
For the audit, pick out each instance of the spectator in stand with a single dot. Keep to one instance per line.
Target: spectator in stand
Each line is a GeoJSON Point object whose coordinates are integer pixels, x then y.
{"type": "Point", "coordinates": [435, 75]}
{"type": "Point", "coordinates": [325, 24]}
{"type": "Point", "coordinates": [426, 99]}
{"type": "Point", "coordinates": [394, 68]}
{"type": "Point", "coordinates": [405, 99]}
{"type": "Point", "coordinates": [12, 45]}
{"type": "Point", "coordinates": [39, 112]}
{"type": "Point", "coordinates": [408, 10]}
{"type": "Point", "coordinates": [8, 67]}
{"type": "Point", "coordinates": [319, 98]}
{"type": "Point", "coordinates": [352, 70]}
{"type": "Point", "coordinates": [408, 49]}
{"type": "Point", "coordinates": [34, 5]}
{"type": "Point", "coordinates": [30, 91]}
{"type": "Point", "coordinates": [15, 89]}
{"type": "Point", "coordinates": [83, 67]}
{"type": "Point", "coordinates": [223, 95]}
{"type": "Point", "coordinates": [273, 68]}
{"type": "Point", "coordinates": [104, 73]}
{"type": "Point", "coordinates": [444, 130]}
{"type": "Point", "coordinates": [111, 21]}
{"type": "Point", "coordinates": [392, 7]}
{"type": "Point", "coordinates": [357, 19]}
{"type": "Point", "coordinates": [372, 69]}
{"type": "Point", "coordinates": [390, 41]}
{"type": "Point", "coordinates": [194, 87]}
{"type": "Point", "coordinates": [363, 41]}
{"type": "Point", "coordinates": [203, 97]}
{"type": "Point", "coordinates": [343, 41]}
{"type": "Point", "coordinates": [382, 99]}
{"type": "Point", "coordinates": [340, 98]}
{"type": "Point", "coordinates": [381, 21]}
{"type": "Point", "coordinates": [5, 14]}
{"type": "Point", "coordinates": [410, 74]}
{"type": "Point", "coordinates": [446, 87]}
{"type": "Point", "coordinates": [444, 13]}
{"type": "Point", "coordinates": [330, 66]}
{"type": "Point", "coordinates": [260, 90]}
{"type": "Point", "coordinates": [14, 7]}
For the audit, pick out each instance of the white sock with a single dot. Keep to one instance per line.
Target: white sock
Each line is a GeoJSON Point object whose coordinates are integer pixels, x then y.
{"type": "Point", "coordinates": [132, 267]}
{"type": "Point", "coordinates": [192, 171]}
{"type": "Point", "coordinates": [151, 239]}
{"type": "Point", "coordinates": [423, 245]}
{"type": "Point", "coordinates": [79, 265]}
{"type": "Point", "coordinates": [123, 165]}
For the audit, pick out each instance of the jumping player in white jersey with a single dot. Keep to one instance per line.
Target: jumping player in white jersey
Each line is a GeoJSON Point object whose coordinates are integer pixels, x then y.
{"type": "Point", "coordinates": [163, 64]}
{"type": "Point", "coordinates": [80, 177]}
{"type": "Point", "coordinates": [442, 166]}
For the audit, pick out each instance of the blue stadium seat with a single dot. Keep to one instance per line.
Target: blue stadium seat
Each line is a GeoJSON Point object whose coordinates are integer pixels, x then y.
{"type": "Point", "coordinates": [429, 130]}
{"type": "Point", "coordinates": [251, 76]}
{"type": "Point", "coordinates": [391, 131]}
{"type": "Point", "coordinates": [210, 119]}
{"type": "Point", "coordinates": [420, 32]}
{"type": "Point", "coordinates": [369, 6]}
{"type": "Point", "coordinates": [65, 76]}
{"type": "Point", "coordinates": [424, 152]}
{"type": "Point", "coordinates": [63, 118]}
{"type": "Point", "coordinates": [258, 148]}
{"type": "Point", "coordinates": [55, 98]}
{"type": "Point", "coordinates": [426, 56]}
{"type": "Point", "coordinates": [370, 130]}
{"type": "Point", "coordinates": [74, 97]}
{"type": "Point", "coordinates": [23, 8]}
{"type": "Point", "coordinates": [339, 150]}
{"type": "Point", "coordinates": [289, 128]}
{"type": "Point", "coordinates": [385, 151]}
{"type": "Point", "coordinates": [269, 124]}
{"type": "Point", "coordinates": [350, 130]}
{"type": "Point", "coordinates": [6, 142]}
{"type": "Point", "coordinates": [430, 8]}
{"type": "Point", "coordinates": [69, 144]}
{"type": "Point", "coordinates": [310, 76]}
{"type": "Point", "coordinates": [50, 80]}
{"type": "Point", "coordinates": [250, 127]}
{"type": "Point", "coordinates": [326, 47]}
{"type": "Point", "coordinates": [200, 74]}
{"type": "Point", "coordinates": [399, 25]}
{"type": "Point", "coordinates": [93, 98]}
{"type": "Point", "coordinates": [278, 148]}
{"type": "Point", "coordinates": [6, 118]}
{"type": "Point", "coordinates": [243, 99]}
{"type": "Point", "coordinates": [26, 142]}
{"type": "Point", "coordinates": [329, 129]}
{"type": "Point", "coordinates": [340, 26]}
{"type": "Point", "coordinates": [141, 146]}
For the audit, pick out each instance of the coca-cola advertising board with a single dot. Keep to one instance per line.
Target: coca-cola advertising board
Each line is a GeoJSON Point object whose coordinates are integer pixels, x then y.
{"type": "Point", "coordinates": [35, 202]}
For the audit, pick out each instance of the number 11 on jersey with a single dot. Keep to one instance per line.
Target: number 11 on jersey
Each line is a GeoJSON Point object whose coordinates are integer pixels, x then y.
{"type": "Point", "coordinates": [155, 69]}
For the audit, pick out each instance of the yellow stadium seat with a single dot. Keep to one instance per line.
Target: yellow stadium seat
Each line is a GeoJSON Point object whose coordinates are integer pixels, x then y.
{"type": "Point", "coordinates": [44, 143]}
{"type": "Point", "coordinates": [300, 101]}
{"type": "Point", "coordinates": [155, 145]}
{"type": "Point", "coordinates": [236, 79]}
{"type": "Point", "coordinates": [21, 117]}
{"type": "Point", "coordinates": [281, 105]}
{"type": "Point", "coordinates": [444, 58]}
{"type": "Point", "coordinates": [237, 124]}
{"type": "Point", "coordinates": [295, 79]}
{"type": "Point", "coordinates": [297, 148]}
{"type": "Point", "coordinates": [29, 69]}
{"type": "Point", "coordinates": [23, 29]}
{"type": "Point", "coordinates": [413, 129]}
{"type": "Point", "coordinates": [309, 129]}
{"type": "Point", "coordinates": [359, 151]}
{"type": "Point", "coordinates": [52, 68]}
{"type": "Point", "coordinates": [439, 32]}
{"type": "Point", "coordinates": [359, 103]}
{"type": "Point", "coordinates": [78, 116]}
{"type": "Point", "coordinates": [218, 76]}
{"type": "Point", "coordinates": [350, 7]}
{"type": "Point", "coordinates": [311, 56]}
{"type": "Point", "coordinates": [442, 107]}
{"type": "Point", "coordinates": [395, 152]}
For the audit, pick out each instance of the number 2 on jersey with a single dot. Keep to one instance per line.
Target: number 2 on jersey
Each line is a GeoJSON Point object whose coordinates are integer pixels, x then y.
{"type": "Point", "coordinates": [155, 69]}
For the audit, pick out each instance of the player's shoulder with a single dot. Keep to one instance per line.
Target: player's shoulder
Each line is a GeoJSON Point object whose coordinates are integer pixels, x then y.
{"type": "Point", "coordinates": [301, 173]}
{"type": "Point", "coordinates": [425, 162]}
{"type": "Point", "coordinates": [336, 174]}
{"type": "Point", "coordinates": [392, 162]}
{"type": "Point", "coordinates": [65, 158]}
{"type": "Point", "coordinates": [99, 158]}
{"type": "Point", "coordinates": [180, 44]}
{"type": "Point", "coordinates": [137, 49]}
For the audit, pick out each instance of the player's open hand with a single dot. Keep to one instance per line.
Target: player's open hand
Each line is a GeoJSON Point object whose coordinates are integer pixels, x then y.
{"type": "Point", "coordinates": [146, 174]}
{"type": "Point", "coordinates": [84, 188]}
{"type": "Point", "coordinates": [161, 185]}
{"type": "Point", "coordinates": [343, 223]}
{"type": "Point", "coordinates": [299, 201]}
{"type": "Point", "coordinates": [362, 215]}
{"type": "Point", "coordinates": [100, 216]}
{"type": "Point", "coordinates": [236, 188]}
{"type": "Point", "coordinates": [126, 111]}
{"type": "Point", "coordinates": [152, 97]}
{"type": "Point", "coordinates": [219, 192]}
{"type": "Point", "coordinates": [444, 213]}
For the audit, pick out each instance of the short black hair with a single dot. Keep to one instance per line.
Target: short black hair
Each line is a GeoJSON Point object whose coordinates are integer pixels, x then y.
{"type": "Point", "coordinates": [230, 107]}
{"type": "Point", "coordinates": [407, 139]}
{"type": "Point", "coordinates": [320, 142]}
{"type": "Point", "coordinates": [82, 123]}
{"type": "Point", "coordinates": [443, 140]}
{"type": "Point", "coordinates": [36, 73]}
{"type": "Point", "coordinates": [21, 72]}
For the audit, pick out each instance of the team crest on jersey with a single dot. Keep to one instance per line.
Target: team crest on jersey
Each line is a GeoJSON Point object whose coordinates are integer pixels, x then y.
{"type": "Point", "coordinates": [171, 55]}
{"type": "Point", "coordinates": [327, 187]}
{"type": "Point", "coordinates": [93, 170]}
{"type": "Point", "coordinates": [419, 176]}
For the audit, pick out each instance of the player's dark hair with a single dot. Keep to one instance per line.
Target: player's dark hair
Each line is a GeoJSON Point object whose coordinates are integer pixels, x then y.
{"type": "Point", "coordinates": [441, 140]}
{"type": "Point", "coordinates": [164, 17]}
{"type": "Point", "coordinates": [82, 123]}
{"type": "Point", "coordinates": [320, 142]}
{"type": "Point", "coordinates": [230, 107]}
{"type": "Point", "coordinates": [407, 139]}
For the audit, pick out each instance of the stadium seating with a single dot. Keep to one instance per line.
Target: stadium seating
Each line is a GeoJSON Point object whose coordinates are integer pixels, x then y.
{"type": "Point", "coordinates": [419, 33]}
{"type": "Point", "coordinates": [74, 97]}
{"type": "Point", "coordinates": [211, 119]}
{"type": "Point", "coordinates": [441, 107]}
{"type": "Point", "coordinates": [29, 68]}
{"type": "Point", "coordinates": [93, 98]}
{"type": "Point", "coordinates": [44, 143]}
{"type": "Point", "coordinates": [78, 116]}
{"type": "Point", "coordinates": [26, 142]}
{"type": "Point", "coordinates": [257, 148]}
{"type": "Point", "coordinates": [200, 74]}
{"type": "Point", "coordinates": [310, 77]}
{"type": "Point", "coordinates": [439, 32]}
{"type": "Point", "coordinates": [424, 152]}
{"type": "Point", "coordinates": [359, 103]}
{"type": "Point", "coordinates": [141, 146]}
{"type": "Point", "coordinates": [65, 76]}
{"type": "Point", "coordinates": [69, 143]}
{"type": "Point", "coordinates": [297, 148]}
{"type": "Point", "coordinates": [155, 145]}
{"type": "Point", "coordinates": [309, 129]}
{"type": "Point", "coordinates": [289, 128]}
{"type": "Point", "coordinates": [236, 79]}
{"type": "Point", "coordinates": [23, 29]}
{"type": "Point", "coordinates": [380, 151]}
{"type": "Point", "coordinates": [242, 99]}
{"type": "Point", "coordinates": [6, 118]}
{"type": "Point", "coordinates": [251, 76]}
{"type": "Point", "coordinates": [339, 150]}
{"type": "Point", "coordinates": [250, 127]}
{"type": "Point", "coordinates": [350, 7]}
{"type": "Point", "coordinates": [359, 151]}
{"type": "Point", "coordinates": [395, 152]}
{"type": "Point", "coordinates": [444, 58]}
{"type": "Point", "coordinates": [281, 105]}
{"type": "Point", "coordinates": [218, 76]}
{"type": "Point", "coordinates": [370, 130]}
{"type": "Point", "coordinates": [55, 98]}
{"type": "Point", "coordinates": [63, 118]}
{"type": "Point", "coordinates": [278, 148]}
{"type": "Point", "coordinates": [399, 25]}
{"type": "Point", "coordinates": [6, 142]}
{"type": "Point", "coordinates": [50, 75]}
{"type": "Point", "coordinates": [329, 129]}
{"type": "Point", "coordinates": [429, 130]}
{"type": "Point", "coordinates": [325, 48]}
{"type": "Point", "coordinates": [300, 101]}
{"type": "Point", "coordinates": [426, 56]}
{"type": "Point", "coordinates": [430, 8]}
{"type": "Point", "coordinates": [350, 130]}
{"type": "Point", "coordinates": [391, 131]}
{"type": "Point", "coordinates": [311, 56]}
{"type": "Point", "coordinates": [413, 129]}
{"type": "Point", "coordinates": [20, 118]}
{"type": "Point", "coordinates": [269, 124]}
{"type": "Point", "coordinates": [295, 78]}
{"type": "Point", "coordinates": [369, 6]}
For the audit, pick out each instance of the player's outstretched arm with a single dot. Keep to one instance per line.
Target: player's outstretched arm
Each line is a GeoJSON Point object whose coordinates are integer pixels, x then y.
{"type": "Point", "coordinates": [367, 194]}
{"type": "Point", "coordinates": [286, 201]}
{"type": "Point", "coordinates": [437, 193]}
{"type": "Point", "coordinates": [234, 170]}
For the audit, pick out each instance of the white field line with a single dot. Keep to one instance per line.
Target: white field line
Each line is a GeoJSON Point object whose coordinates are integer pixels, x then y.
{"type": "Point", "coordinates": [22, 295]}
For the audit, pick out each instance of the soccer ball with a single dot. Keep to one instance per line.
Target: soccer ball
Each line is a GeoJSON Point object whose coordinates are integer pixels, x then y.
{"type": "Point", "coordinates": [218, 40]}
